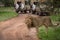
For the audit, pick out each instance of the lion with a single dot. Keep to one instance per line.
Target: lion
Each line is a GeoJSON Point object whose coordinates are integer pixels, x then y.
{"type": "Point", "coordinates": [38, 21]}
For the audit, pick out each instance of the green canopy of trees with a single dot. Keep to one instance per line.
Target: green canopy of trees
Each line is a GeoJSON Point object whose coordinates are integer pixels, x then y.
{"type": "Point", "coordinates": [7, 2]}
{"type": "Point", "coordinates": [56, 3]}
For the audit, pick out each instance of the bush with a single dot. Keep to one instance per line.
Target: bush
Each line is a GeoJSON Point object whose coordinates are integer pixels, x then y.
{"type": "Point", "coordinates": [53, 33]}
{"type": "Point", "coordinates": [4, 15]}
{"type": "Point", "coordinates": [8, 2]}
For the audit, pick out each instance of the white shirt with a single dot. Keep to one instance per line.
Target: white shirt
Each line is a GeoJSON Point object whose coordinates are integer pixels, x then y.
{"type": "Point", "coordinates": [33, 7]}
{"type": "Point", "coordinates": [17, 6]}
{"type": "Point", "coordinates": [22, 5]}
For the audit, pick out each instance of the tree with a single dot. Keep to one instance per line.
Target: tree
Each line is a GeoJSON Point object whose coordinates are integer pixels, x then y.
{"type": "Point", "coordinates": [56, 3]}
{"type": "Point", "coordinates": [56, 6]}
{"type": "Point", "coordinates": [8, 2]}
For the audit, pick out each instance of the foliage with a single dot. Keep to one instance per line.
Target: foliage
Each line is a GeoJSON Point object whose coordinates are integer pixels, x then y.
{"type": "Point", "coordinates": [55, 17]}
{"type": "Point", "coordinates": [8, 2]}
{"type": "Point", "coordinates": [56, 3]}
{"type": "Point", "coordinates": [53, 33]}
{"type": "Point", "coordinates": [7, 13]}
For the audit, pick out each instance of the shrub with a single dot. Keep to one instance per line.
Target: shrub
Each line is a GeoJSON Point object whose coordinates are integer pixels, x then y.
{"type": "Point", "coordinates": [8, 2]}
{"type": "Point", "coordinates": [53, 33]}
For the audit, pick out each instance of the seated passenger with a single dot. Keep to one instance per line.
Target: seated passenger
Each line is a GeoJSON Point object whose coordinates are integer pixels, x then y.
{"type": "Point", "coordinates": [22, 7]}
{"type": "Point", "coordinates": [17, 7]}
{"type": "Point", "coordinates": [33, 8]}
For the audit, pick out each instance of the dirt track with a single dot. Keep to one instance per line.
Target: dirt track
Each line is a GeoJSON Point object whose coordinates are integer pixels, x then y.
{"type": "Point", "coordinates": [16, 29]}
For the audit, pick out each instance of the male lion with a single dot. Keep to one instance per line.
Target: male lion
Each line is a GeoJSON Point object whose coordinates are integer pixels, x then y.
{"type": "Point", "coordinates": [37, 21]}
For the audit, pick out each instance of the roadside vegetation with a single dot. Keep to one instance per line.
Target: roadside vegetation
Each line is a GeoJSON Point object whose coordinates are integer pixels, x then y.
{"type": "Point", "coordinates": [7, 13]}
{"type": "Point", "coordinates": [53, 33]}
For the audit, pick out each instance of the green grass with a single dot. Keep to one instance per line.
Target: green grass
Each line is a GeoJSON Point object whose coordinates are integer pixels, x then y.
{"type": "Point", "coordinates": [55, 17]}
{"type": "Point", "coordinates": [6, 8]}
{"type": "Point", "coordinates": [42, 33]}
{"type": "Point", "coordinates": [7, 13]}
{"type": "Point", "coordinates": [53, 33]}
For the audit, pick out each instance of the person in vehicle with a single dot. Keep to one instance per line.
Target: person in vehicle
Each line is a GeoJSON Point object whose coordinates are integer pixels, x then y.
{"type": "Point", "coordinates": [22, 7]}
{"type": "Point", "coordinates": [17, 7]}
{"type": "Point", "coordinates": [33, 8]}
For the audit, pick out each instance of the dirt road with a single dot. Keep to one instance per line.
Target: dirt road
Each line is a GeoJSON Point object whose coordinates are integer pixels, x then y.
{"type": "Point", "coordinates": [16, 29]}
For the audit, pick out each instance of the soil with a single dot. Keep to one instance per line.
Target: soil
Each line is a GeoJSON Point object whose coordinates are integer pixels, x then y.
{"type": "Point", "coordinates": [16, 29]}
